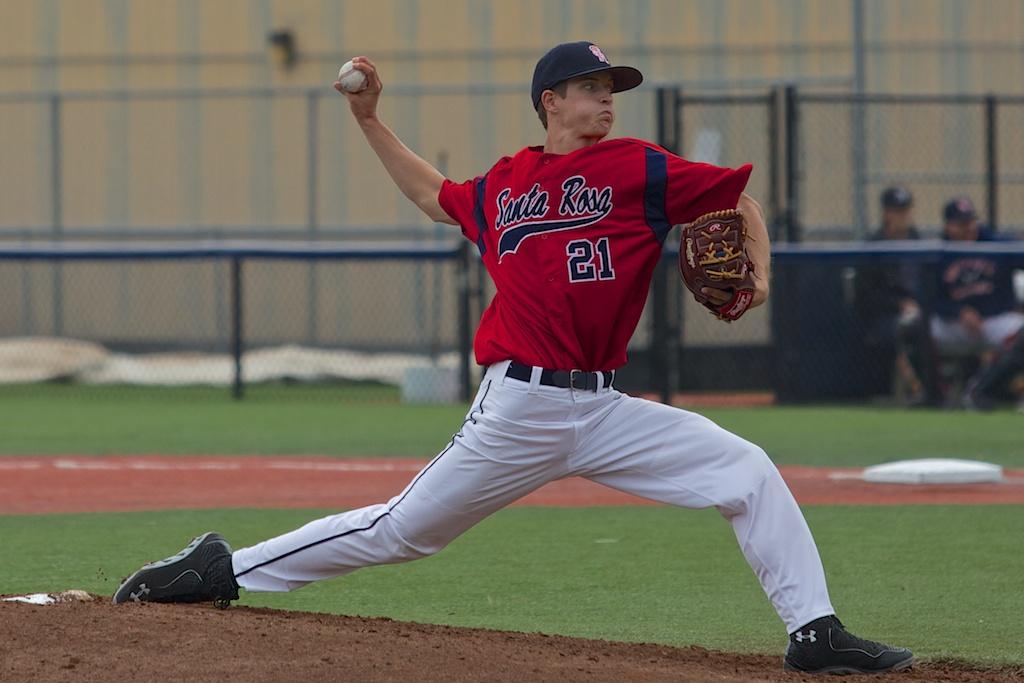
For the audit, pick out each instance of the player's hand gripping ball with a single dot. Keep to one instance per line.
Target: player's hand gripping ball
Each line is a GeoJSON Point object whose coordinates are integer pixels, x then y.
{"type": "Point", "coordinates": [712, 256]}
{"type": "Point", "coordinates": [351, 78]}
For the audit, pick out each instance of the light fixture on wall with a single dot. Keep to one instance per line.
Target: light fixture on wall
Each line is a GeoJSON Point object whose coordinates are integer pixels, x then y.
{"type": "Point", "coordinates": [282, 47]}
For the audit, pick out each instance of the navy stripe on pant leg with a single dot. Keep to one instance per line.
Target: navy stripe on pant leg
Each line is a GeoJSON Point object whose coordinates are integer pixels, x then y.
{"type": "Point", "coordinates": [388, 511]}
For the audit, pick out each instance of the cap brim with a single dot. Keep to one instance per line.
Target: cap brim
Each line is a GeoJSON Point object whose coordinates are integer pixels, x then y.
{"type": "Point", "coordinates": [623, 77]}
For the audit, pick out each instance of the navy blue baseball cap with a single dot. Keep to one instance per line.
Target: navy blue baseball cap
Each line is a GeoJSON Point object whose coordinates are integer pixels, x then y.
{"type": "Point", "coordinates": [897, 197]}
{"type": "Point", "coordinates": [569, 60]}
{"type": "Point", "coordinates": [959, 209]}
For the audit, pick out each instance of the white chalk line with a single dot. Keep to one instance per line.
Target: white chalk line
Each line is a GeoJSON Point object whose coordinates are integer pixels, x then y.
{"type": "Point", "coordinates": [297, 465]}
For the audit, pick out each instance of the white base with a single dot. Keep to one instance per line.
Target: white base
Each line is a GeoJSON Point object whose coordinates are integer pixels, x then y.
{"type": "Point", "coordinates": [934, 471]}
{"type": "Point", "coordinates": [73, 595]}
{"type": "Point", "coordinates": [33, 599]}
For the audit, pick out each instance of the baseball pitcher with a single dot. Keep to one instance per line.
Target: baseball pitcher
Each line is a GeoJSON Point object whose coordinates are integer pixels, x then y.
{"type": "Point", "coordinates": [570, 232]}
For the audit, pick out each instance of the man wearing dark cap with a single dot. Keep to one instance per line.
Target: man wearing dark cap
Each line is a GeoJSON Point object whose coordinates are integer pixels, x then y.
{"type": "Point", "coordinates": [895, 333]}
{"type": "Point", "coordinates": [976, 310]}
{"type": "Point", "coordinates": [570, 232]}
{"type": "Point", "coordinates": [897, 215]}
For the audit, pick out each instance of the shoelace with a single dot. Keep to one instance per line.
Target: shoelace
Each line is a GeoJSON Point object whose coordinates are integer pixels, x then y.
{"type": "Point", "coordinates": [862, 643]}
{"type": "Point", "coordinates": [221, 578]}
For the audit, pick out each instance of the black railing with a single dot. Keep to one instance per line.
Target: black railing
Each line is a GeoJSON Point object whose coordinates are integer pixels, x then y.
{"type": "Point", "coordinates": [161, 312]}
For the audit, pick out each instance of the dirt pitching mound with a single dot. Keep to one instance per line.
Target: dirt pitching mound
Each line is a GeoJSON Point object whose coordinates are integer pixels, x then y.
{"type": "Point", "coordinates": [96, 641]}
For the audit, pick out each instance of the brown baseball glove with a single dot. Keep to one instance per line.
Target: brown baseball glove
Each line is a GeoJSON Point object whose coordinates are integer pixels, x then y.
{"type": "Point", "coordinates": [712, 255]}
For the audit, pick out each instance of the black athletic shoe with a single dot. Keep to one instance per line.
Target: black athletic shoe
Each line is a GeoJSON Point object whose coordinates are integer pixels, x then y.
{"type": "Point", "coordinates": [825, 647]}
{"type": "Point", "coordinates": [201, 571]}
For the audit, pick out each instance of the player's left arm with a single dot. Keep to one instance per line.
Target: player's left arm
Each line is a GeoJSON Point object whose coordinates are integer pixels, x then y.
{"type": "Point", "coordinates": [758, 247]}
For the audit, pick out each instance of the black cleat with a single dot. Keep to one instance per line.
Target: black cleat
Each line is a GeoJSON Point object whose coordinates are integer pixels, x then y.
{"type": "Point", "coordinates": [201, 571]}
{"type": "Point", "coordinates": [825, 647]}
{"type": "Point", "coordinates": [975, 401]}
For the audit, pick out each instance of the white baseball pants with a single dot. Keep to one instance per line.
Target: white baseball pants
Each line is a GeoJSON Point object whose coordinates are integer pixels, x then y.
{"type": "Point", "coordinates": [996, 329]}
{"type": "Point", "coordinates": [520, 435]}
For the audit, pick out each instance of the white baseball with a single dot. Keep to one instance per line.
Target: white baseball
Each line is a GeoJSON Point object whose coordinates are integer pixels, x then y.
{"type": "Point", "coordinates": [351, 78]}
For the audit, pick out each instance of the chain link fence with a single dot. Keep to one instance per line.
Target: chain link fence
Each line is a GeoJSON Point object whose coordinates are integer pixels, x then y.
{"type": "Point", "coordinates": [96, 172]}
{"type": "Point", "coordinates": [391, 319]}
{"type": "Point", "coordinates": [395, 323]}
{"type": "Point", "coordinates": [1008, 144]}
{"type": "Point", "coordinates": [245, 164]}
{"type": "Point", "coordinates": [821, 163]}
{"type": "Point", "coordinates": [823, 159]}
{"type": "Point", "coordinates": [852, 150]}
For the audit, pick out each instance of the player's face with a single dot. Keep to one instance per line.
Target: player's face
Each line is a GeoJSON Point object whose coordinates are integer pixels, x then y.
{"type": "Point", "coordinates": [898, 221]}
{"type": "Point", "coordinates": [587, 108]}
{"type": "Point", "coordinates": [963, 231]}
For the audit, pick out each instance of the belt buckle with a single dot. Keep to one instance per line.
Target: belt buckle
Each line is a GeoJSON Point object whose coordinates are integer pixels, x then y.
{"type": "Point", "coordinates": [573, 374]}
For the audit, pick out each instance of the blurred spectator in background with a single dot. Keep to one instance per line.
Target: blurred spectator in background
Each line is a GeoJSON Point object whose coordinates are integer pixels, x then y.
{"type": "Point", "coordinates": [896, 333]}
{"type": "Point", "coordinates": [976, 310]}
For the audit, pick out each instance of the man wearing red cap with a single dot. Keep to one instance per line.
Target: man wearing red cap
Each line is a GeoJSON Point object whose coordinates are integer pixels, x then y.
{"type": "Point", "coordinates": [976, 309]}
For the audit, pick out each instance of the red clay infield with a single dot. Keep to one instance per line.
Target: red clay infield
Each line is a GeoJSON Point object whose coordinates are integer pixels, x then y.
{"type": "Point", "coordinates": [98, 641]}
{"type": "Point", "coordinates": [30, 485]}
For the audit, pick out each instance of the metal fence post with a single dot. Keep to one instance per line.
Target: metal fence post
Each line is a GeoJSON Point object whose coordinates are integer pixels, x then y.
{"type": "Point", "coordinates": [434, 270]}
{"type": "Point", "coordinates": [236, 325]}
{"type": "Point", "coordinates": [57, 228]}
{"type": "Point", "coordinates": [465, 329]}
{"type": "Point", "coordinates": [860, 165]}
{"type": "Point", "coordinates": [792, 119]}
{"type": "Point", "coordinates": [991, 161]}
{"type": "Point", "coordinates": [312, 160]}
{"type": "Point", "coordinates": [774, 202]}
{"type": "Point", "coordinates": [858, 125]}
{"type": "Point", "coordinates": [666, 322]}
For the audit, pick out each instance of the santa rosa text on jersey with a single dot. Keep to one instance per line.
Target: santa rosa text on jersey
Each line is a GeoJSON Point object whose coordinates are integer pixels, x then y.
{"type": "Point", "coordinates": [585, 205]}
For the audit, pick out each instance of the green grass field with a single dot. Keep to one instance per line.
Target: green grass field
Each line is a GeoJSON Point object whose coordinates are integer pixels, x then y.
{"type": "Point", "coordinates": [321, 421]}
{"type": "Point", "coordinates": [945, 581]}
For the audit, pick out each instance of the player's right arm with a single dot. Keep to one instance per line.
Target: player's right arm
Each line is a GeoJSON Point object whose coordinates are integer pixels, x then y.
{"type": "Point", "coordinates": [414, 176]}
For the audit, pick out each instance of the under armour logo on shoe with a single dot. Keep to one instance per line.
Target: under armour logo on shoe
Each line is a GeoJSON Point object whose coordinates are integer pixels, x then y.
{"type": "Point", "coordinates": [143, 591]}
{"type": "Point", "coordinates": [800, 637]}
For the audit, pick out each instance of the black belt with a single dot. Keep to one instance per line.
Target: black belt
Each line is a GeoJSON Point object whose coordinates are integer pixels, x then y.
{"type": "Point", "coordinates": [564, 379]}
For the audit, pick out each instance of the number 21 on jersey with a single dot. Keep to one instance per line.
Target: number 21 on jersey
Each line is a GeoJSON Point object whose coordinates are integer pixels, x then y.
{"type": "Point", "coordinates": [589, 261]}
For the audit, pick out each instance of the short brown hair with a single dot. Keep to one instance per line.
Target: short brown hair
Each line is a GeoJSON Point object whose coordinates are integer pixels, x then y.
{"type": "Point", "coordinates": [562, 89]}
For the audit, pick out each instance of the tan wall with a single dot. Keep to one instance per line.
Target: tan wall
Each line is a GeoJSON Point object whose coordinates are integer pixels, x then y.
{"type": "Point", "coordinates": [919, 45]}
{"type": "Point", "coordinates": [242, 162]}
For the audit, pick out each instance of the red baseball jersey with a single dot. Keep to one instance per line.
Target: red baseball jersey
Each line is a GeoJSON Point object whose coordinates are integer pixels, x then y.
{"type": "Point", "coordinates": [571, 242]}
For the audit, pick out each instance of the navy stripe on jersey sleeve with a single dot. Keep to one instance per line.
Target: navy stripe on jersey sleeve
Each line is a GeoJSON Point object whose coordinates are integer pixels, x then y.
{"type": "Point", "coordinates": [656, 167]}
{"type": "Point", "coordinates": [478, 214]}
